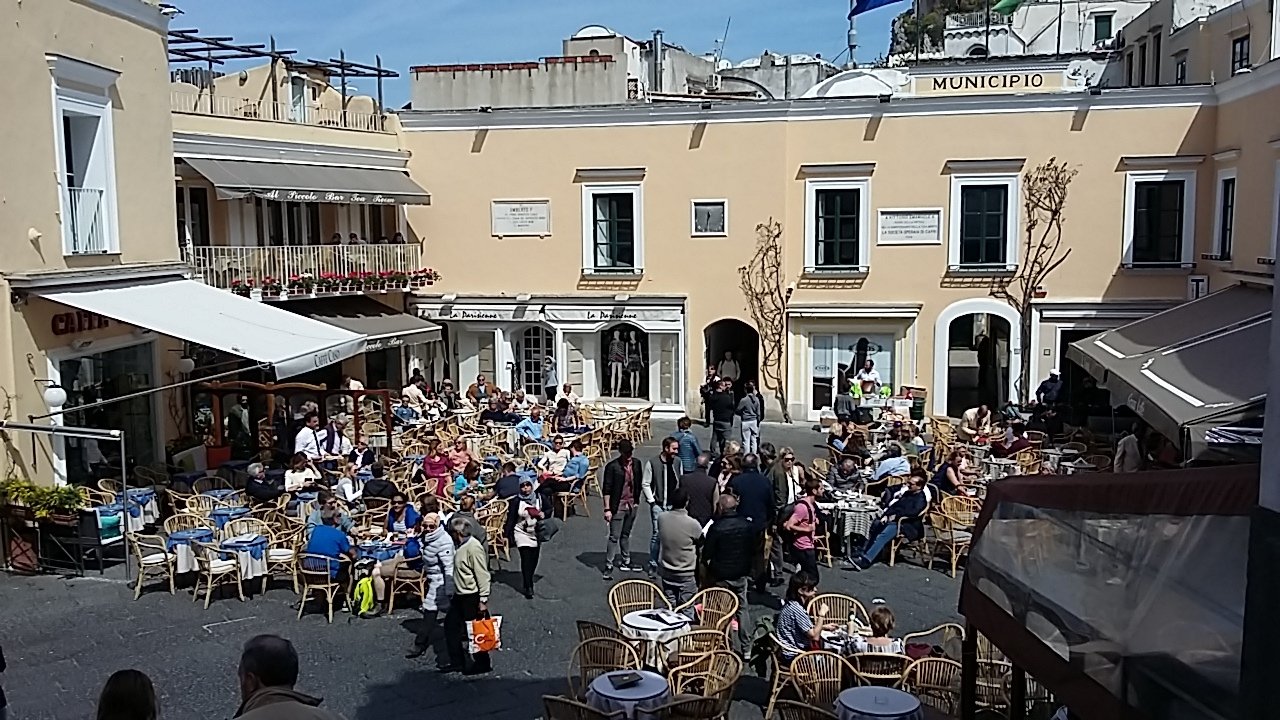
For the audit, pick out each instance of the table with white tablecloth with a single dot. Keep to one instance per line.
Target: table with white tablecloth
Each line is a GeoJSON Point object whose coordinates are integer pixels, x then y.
{"type": "Point", "coordinates": [656, 628]}
{"type": "Point", "coordinates": [146, 497]}
{"type": "Point", "coordinates": [636, 701]}
{"type": "Point", "coordinates": [877, 703]}
{"type": "Point", "coordinates": [250, 551]}
{"type": "Point", "coordinates": [179, 543]}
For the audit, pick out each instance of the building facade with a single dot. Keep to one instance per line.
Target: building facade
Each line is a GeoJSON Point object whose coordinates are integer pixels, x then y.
{"type": "Point", "coordinates": [631, 224]}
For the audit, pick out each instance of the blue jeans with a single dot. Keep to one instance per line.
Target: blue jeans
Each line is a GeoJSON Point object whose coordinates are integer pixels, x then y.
{"type": "Point", "coordinates": [879, 540]}
{"type": "Point", "coordinates": [654, 512]}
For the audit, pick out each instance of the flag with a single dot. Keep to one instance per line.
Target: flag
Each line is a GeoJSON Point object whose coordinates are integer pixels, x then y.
{"type": "Point", "coordinates": [1007, 7]}
{"type": "Point", "coordinates": [861, 6]}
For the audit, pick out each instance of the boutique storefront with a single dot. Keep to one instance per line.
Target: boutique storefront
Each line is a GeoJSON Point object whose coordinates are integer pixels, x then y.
{"type": "Point", "coordinates": [625, 350]}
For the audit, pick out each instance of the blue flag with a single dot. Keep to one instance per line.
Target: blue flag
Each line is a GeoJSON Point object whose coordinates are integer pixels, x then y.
{"type": "Point", "coordinates": [862, 6]}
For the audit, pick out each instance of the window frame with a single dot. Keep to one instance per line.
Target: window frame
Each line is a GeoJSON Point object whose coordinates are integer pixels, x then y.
{"type": "Point", "coordinates": [1111, 20]}
{"type": "Point", "coordinates": [1013, 221]}
{"type": "Point", "coordinates": [1187, 240]}
{"type": "Point", "coordinates": [1180, 68]}
{"type": "Point", "coordinates": [589, 191]}
{"type": "Point", "coordinates": [812, 186]}
{"type": "Point", "coordinates": [91, 97]}
{"type": "Point", "coordinates": [693, 216]}
{"type": "Point", "coordinates": [1243, 61]}
{"type": "Point", "coordinates": [1221, 221]}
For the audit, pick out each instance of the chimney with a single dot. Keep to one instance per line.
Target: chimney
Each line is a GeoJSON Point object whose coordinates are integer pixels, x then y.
{"type": "Point", "coordinates": [656, 48]}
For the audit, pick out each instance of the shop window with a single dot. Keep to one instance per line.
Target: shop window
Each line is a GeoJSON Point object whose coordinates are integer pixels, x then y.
{"type": "Point", "coordinates": [103, 376]}
{"type": "Point", "coordinates": [624, 364]}
{"type": "Point", "coordinates": [535, 344]}
{"type": "Point", "coordinates": [669, 368]}
{"type": "Point", "coordinates": [836, 357]}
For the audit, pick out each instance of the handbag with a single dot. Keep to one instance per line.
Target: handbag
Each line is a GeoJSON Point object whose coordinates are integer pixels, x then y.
{"type": "Point", "coordinates": [484, 634]}
{"type": "Point", "coordinates": [545, 529]}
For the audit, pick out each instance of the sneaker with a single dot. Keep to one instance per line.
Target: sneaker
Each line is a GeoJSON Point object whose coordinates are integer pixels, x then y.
{"type": "Point", "coordinates": [628, 567]}
{"type": "Point", "coordinates": [607, 573]}
{"type": "Point", "coordinates": [417, 652]}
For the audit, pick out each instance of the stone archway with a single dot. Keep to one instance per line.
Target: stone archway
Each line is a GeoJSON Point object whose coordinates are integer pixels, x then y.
{"type": "Point", "coordinates": [737, 337]}
{"type": "Point", "coordinates": [975, 361]}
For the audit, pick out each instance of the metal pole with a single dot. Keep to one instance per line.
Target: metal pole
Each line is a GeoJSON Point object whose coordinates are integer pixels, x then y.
{"type": "Point", "coordinates": [377, 61]}
{"type": "Point", "coordinates": [969, 673]}
{"type": "Point", "coordinates": [275, 84]}
{"type": "Point", "coordinates": [986, 42]}
{"type": "Point", "coordinates": [124, 495]}
{"type": "Point", "coordinates": [144, 393]}
{"type": "Point", "coordinates": [1059, 52]}
{"type": "Point", "coordinates": [342, 71]}
{"type": "Point", "coordinates": [919, 29]}
{"type": "Point", "coordinates": [1018, 694]}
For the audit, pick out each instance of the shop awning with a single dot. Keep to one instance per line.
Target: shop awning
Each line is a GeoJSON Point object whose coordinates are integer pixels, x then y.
{"type": "Point", "coordinates": [1191, 369]}
{"type": "Point", "coordinates": [197, 313]}
{"type": "Point", "coordinates": [293, 182]}
{"type": "Point", "coordinates": [382, 326]}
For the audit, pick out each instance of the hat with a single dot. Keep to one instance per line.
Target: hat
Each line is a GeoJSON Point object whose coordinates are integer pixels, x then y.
{"type": "Point", "coordinates": [1053, 371]}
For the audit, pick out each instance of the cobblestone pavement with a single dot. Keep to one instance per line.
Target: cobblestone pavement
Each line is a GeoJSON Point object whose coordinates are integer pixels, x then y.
{"type": "Point", "coordinates": [63, 637]}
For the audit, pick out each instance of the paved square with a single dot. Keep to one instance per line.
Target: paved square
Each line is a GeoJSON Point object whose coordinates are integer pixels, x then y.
{"type": "Point", "coordinates": [62, 638]}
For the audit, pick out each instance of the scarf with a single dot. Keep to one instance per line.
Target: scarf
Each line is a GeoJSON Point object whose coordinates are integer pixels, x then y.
{"type": "Point", "coordinates": [531, 498]}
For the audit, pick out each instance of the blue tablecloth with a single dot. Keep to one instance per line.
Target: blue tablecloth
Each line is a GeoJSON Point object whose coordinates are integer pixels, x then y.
{"type": "Point", "coordinates": [223, 515]}
{"type": "Point", "coordinates": [380, 551]}
{"type": "Point", "coordinates": [189, 477]}
{"type": "Point", "coordinates": [185, 537]}
{"type": "Point", "coordinates": [142, 495]}
{"type": "Point", "coordinates": [135, 510]}
{"type": "Point", "coordinates": [256, 547]}
{"type": "Point", "coordinates": [219, 492]}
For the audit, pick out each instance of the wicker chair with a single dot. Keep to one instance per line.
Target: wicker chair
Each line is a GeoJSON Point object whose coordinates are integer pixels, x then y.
{"type": "Point", "coordinates": [572, 495]}
{"type": "Point", "coordinates": [947, 636]}
{"type": "Point", "coordinates": [185, 521]}
{"type": "Point", "coordinates": [936, 682]}
{"type": "Point", "coordinates": [819, 676]}
{"type": "Point", "coordinates": [588, 630]}
{"type": "Point", "coordinates": [781, 670]}
{"type": "Point", "coordinates": [631, 595]}
{"type": "Point", "coordinates": [1101, 462]}
{"type": "Point", "coordinates": [962, 509]}
{"type": "Point", "coordinates": [793, 710]}
{"type": "Point", "coordinates": [201, 505]}
{"type": "Point", "coordinates": [595, 657]}
{"type": "Point", "coordinates": [314, 573]}
{"type": "Point", "coordinates": [900, 541]}
{"type": "Point", "coordinates": [245, 526]}
{"type": "Point", "coordinates": [282, 555]}
{"type": "Point", "coordinates": [153, 559]}
{"type": "Point", "coordinates": [1029, 461]}
{"type": "Point", "coordinates": [694, 644]}
{"type": "Point", "coordinates": [555, 707]}
{"type": "Point", "coordinates": [874, 668]}
{"type": "Point", "coordinates": [713, 675]}
{"type": "Point", "coordinates": [687, 708]}
{"type": "Point", "coordinates": [948, 535]}
{"type": "Point", "coordinates": [715, 607]}
{"type": "Point", "coordinates": [214, 570]}
{"type": "Point", "coordinates": [108, 485]}
{"type": "Point", "coordinates": [839, 608]}
{"type": "Point", "coordinates": [405, 579]}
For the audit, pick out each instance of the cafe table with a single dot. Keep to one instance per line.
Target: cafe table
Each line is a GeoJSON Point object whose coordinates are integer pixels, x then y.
{"type": "Point", "coordinates": [636, 702]}
{"type": "Point", "coordinates": [219, 493]}
{"type": "Point", "coordinates": [146, 497]}
{"type": "Point", "coordinates": [223, 515]}
{"type": "Point", "coordinates": [871, 702]}
{"type": "Point", "coordinates": [179, 543]}
{"type": "Point", "coordinates": [655, 628]}
{"type": "Point", "coordinates": [250, 551]}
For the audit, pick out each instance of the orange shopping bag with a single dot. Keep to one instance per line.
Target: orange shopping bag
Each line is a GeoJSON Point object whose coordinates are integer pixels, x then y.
{"type": "Point", "coordinates": [485, 634]}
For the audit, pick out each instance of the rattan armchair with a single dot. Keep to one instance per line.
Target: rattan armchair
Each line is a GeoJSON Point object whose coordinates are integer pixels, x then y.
{"type": "Point", "coordinates": [185, 521]}
{"type": "Point", "coordinates": [949, 637]}
{"type": "Point", "coordinates": [686, 708]}
{"type": "Point", "coordinates": [936, 682]}
{"type": "Point", "coordinates": [793, 710]}
{"type": "Point", "coordinates": [282, 555]}
{"type": "Point", "coordinates": [555, 707]}
{"type": "Point", "coordinates": [315, 576]}
{"type": "Point", "coordinates": [837, 608]}
{"type": "Point", "coordinates": [631, 595]}
{"type": "Point", "coordinates": [588, 630]}
{"type": "Point", "coordinates": [819, 676]}
{"type": "Point", "coordinates": [200, 505]}
{"type": "Point", "coordinates": [900, 541]}
{"type": "Point", "coordinates": [405, 578]}
{"type": "Point", "coordinates": [214, 570]}
{"type": "Point", "coordinates": [948, 535]}
{"type": "Point", "coordinates": [715, 607]}
{"type": "Point", "coordinates": [876, 668]}
{"type": "Point", "coordinates": [153, 560]}
{"type": "Point", "coordinates": [694, 644]}
{"type": "Point", "coordinates": [713, 675]}
{"type": "Point", "coordinates": [595, 657]}
{"type": "Point", "coordinates": [781, 669]}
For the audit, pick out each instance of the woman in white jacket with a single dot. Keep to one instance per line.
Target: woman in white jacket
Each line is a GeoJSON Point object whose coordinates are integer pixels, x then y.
{"type": "Point", "coordinates": [525, 511]}
{"type": "Point", "coordinates": [437, 564]}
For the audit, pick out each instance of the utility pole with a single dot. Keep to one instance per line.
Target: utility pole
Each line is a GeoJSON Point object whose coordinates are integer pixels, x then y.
{"type": "Point", "coordinates": [853, 36]}
{"type": "Point", "coordinates": [986, 42]}
{"type": "Point", "coordinates": [1060, 11]}
{"type": "Point", "coordinates": [919, 29]}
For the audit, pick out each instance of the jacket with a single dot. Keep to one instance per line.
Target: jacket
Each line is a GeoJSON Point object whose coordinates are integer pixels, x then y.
{"type": "Point", "coordinates": [844, 406]}
{"type": "Point", "coordinates": [907, 510]}
{"type": "Point", "coordinates": [701, 489]}
{"type": "Point", "coordinates": [471, 570]}
{"type": "Point", "coordinates": [613, 478]}
{"type": "Point", "coordinates": [749, 408]}
{"type": "Point", "coordinates": [437, 565]}
{"type": "Point", "coordinates": [654, 482]}
{"type": "Point", "coordinates": [781, 484]}
{"type": "Point", "coordinates": [474, 528]}
{"type": "Point", "coordinates": [755, 499]}
{"type": "Point", "coordinates": [689, 451]}
{"type": "Point", "coordinates": [473, 391]}
{"type": "Point", "coordinates": [282, 703]}
{"type": "Point", "coordinates": [730, 547]}
{"type": "Point", "coordinates": [721, 406]}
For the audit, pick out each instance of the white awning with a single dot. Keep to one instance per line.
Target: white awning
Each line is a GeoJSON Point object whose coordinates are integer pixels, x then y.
{"type": "Point", "coordinates": [195, 312]}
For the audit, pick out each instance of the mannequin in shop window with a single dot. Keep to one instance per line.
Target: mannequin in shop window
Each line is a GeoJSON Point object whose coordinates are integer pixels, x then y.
{"type": "Point", "coordinates": [617, 358]}
{"type": "Point", "coordinates": [635, 362]}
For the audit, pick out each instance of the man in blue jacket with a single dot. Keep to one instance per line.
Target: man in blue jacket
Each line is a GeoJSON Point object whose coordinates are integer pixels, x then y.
{"type": "Point", "coordinates": [755, 503]}
{"type": "Point", "coordinates": [689, 446]}
{"type": "Point", "coordinates": [905, 513]}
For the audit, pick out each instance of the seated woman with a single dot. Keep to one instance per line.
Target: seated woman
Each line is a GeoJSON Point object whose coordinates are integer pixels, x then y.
{"type": "Point", "coordinates": [403, 519]}
{"type": "Point", "coordinates": [794, 627]}
{"type": "Point", "coordinates": [494, 414]}
{"type": "Point", "coordinates": [437, 467]}
{"type": "Point", "coordinates": [520, 402]}
{"type": "Point", "coordinates": [566, 419]}
{"type": "Point", "coordinates": [362, 455]}
{"type": "Point", "coordinates": [301, 475]}
{"type": "Point", "coordinates": [881, 625]}
{"type": "Point", "coordinates": [906, 434]}
{"type": "Point", "coordinates": [467, 480]}
{"type": "Point", "coordinates": [948, 478]}
{"type": "Point", "coordinates": [349, 487]}
{"type": "Point", "coordinates": [460, 456]}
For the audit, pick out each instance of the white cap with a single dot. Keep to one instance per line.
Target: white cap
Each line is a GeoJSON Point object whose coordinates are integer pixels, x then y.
{"type": "Point", "coordinates": [1053, 371]}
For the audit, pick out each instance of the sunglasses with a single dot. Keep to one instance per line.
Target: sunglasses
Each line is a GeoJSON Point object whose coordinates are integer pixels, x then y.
{"type": "Point", "coordinates": [398, 502]}
{"type": "Point", "coordinates": [788, 459]}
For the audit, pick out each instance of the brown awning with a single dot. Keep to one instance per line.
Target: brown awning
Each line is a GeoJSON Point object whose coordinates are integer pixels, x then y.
{"type": "Point", "coordinates": [292, 182]}
{"type": "Point", "coordinates": [382, 326]}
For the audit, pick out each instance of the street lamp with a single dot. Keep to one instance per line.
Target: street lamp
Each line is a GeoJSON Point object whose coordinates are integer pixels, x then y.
{"type": "Point", "coordinates": [54, 395]}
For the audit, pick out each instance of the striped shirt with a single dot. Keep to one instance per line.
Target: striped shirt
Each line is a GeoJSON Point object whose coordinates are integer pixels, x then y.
{"type": "Point", "coordinates": [793, 628]}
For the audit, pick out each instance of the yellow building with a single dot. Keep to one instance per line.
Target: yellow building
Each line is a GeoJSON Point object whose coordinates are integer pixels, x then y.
{"type": "Point", "coordinates": [564, 231]}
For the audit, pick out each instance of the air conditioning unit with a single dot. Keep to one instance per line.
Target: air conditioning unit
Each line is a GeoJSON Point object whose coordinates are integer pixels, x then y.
{"type": "Point", "coordinates": [713, 83]}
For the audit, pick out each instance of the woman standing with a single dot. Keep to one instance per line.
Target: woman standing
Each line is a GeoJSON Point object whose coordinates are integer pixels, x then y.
{"type": "Point", "coordinates": [128, 695]}
{"type": "Point", "coordinates": [437, 565]}
{"type": "Point", "coordinates": [525, 511]}
{"type": "Point", "coordinates": [550, 379]}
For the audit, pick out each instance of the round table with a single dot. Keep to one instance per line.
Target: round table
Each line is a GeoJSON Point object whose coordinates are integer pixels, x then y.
{"type": "Point", "coordinates": [250, 551]}
{"type": "Point", "coordinates": [998, 468]}
{"type": "Point", "coordinates": [380, 551]}
{"type": "Point", "coordinates": [656, 628]}
{"type": "Point", "coordinates": [877, 703]}
{"type": "Point", "coordinates": [219, 493]}
{"type": "Point", "coordinates": [636, 701]}
{"type": "Point", "coordinates": [130, 518]}
{"type": "Point", "coordinates": [223, 515]}
{"type": "Point", "coordinates": [146, 497]}
{"type": "Point", "coordinates": [179, 543]}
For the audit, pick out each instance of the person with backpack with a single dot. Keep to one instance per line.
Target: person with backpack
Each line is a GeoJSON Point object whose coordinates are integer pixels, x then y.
{"type": "Point", "coordinates": [802, 528]}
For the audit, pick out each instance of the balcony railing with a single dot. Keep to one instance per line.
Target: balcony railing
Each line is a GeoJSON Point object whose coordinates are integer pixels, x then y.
{"type": "Point", "coordinates": [84, 229]}
{"type": "Point", "coordinates": [278, 272]}
{"type": "Point", "coordinates": [964, 21]}
{"type": "Point", "coordinates": [235, 107]}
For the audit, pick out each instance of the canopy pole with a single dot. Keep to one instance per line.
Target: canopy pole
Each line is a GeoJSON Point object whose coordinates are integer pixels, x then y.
{"type": "Point", "coordinates": [144, 393]}
{"type": "Point", "coordinates": [124, 500]}
{"type": "Point", "coordinates": [969, 673]}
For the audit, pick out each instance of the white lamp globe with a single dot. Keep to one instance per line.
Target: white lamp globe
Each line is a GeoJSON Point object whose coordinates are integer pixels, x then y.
{"type": "Point", "coordinates": [55, 396]}
{"type": "Point", "coordinates": [186, 364]}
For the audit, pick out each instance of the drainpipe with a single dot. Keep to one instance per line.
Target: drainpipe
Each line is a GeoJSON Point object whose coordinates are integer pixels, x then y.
{"type": "Point", "coordinates": [655, 81]}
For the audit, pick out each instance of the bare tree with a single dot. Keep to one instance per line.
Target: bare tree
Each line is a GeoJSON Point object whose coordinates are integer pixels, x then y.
{"type": "Point", "coordinates": [1044, 200]}
{"type": "Point", "coordinates": [762, 285]}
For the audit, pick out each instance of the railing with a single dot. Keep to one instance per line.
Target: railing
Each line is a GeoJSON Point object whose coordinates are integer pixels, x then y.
{"type": "Point", "coordinates": [961, 21]}
{"type": "Point", "coordinates": [305, 114]}
{"type": "Point", "coordinates": [85, 234]}
{"type": "Point", "coordinates": [308, 270]}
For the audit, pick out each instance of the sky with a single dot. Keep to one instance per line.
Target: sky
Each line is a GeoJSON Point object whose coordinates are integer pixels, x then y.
{"type": "Point", "coordinates": [429, 32]}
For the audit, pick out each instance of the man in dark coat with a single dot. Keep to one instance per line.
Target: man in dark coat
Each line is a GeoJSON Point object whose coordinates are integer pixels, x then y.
{"type": "Point", "coordinates": [755, 503]}
{"type": "Point", "coordinates": [904, 513]}
{"type": "Point", "coordinates": [701, 489]}
{"type": "Point", "coordinates": [729, 554]}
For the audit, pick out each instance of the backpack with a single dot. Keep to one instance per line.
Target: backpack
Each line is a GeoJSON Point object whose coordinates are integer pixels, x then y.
{"type": "Point", "coordinates": [362, 597]}
{"type": "Point", "coordinates": [783, 516]}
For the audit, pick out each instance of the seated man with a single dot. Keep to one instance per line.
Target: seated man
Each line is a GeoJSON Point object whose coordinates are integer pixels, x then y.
{"type": "Point", "coordinates": [1016, 444]}
{"type": "Point", "coordinates": [493, 413]}
{"type": "Point", "coordinates": [520, 402]}
{"type": "Point", "coordinates": [554, 460]}
{"type": "Point", "coordinates": [530, 429]}
{"type": "Point", "coordinates": [904, 512]}
{"type": "Point", "coordinates": [844, 475]}
{"type": "Point", "coordinates": [893, 463]}
{"type": "Point", "coordinates": [325, 501]}
{"type": "Point", "coordinates": [974, 423]}
{"type": "Point", "coordinates": [508, 486]}
{"type": "Point", "coordinates": [378, 486]}
{"type": "Point", "coordinates": [405, 412]}
{"type": "Point", "coordinates": [329, 540]}
{"type": "Point", "coordinates": [567, 393]}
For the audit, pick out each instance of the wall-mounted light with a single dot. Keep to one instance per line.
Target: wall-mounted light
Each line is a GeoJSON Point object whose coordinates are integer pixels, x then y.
{"type": "Point", "coordinates": [54, 395]}
{"type": "Point", "coordinates": [186, 364]}
{"type": "Point", "coordinates": [81, 344]}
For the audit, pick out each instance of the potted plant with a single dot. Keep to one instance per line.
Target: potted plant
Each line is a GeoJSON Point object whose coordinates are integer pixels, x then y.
{"type": "Point", "coordinates": [17, 492]}
{"type": "Point", "coordinates": [395, 279]}
{"type": "Point", "coordinates": [353, 282]}
{"type": "Point", "coordinates": [423, 277]}
{"type": "Point", "coordinates": [243, 288]}
{"type": "Point", "coordinates": [59, 505]}
{"type": "Point", "coordinates": [302, 284]}
{"type": "Point", "coordinates": [271, 287]}
{"type": "Point", "coordinates": [328, 283]}
{"type": "Point", "coordinates": [15, 503]}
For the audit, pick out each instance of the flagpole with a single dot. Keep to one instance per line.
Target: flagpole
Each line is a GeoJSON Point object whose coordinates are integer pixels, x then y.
{"type": "Point", "coordinates": [986, 43]}
{"type": "Point", "coordinates": [919, 29]}
{"type": "Point", "coordinates": [1059, 27]}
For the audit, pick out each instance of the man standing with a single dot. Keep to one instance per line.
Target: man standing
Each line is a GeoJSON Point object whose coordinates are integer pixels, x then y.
{"type": "Point", "coordinates": [307, 441]}
{"type": "Point", "coordinates": [334, 442]}
{"type": "Point", "coordinates": [722, 407]}
{"type": "Point", "coordinates": [755, 503]}
{"type": "Point", "coordinates": [678, 536]}
{"type": "Point", "coordinates": [415, 394]}
{"type": "Point", "coordinates": [621, 489]}
{"type": "Point", "coordinates": [700, 488]}
{"type": "Point", "coordinates": [868, 378]}
{"type": "Point", "coordinates": [470, 599]}
{"type": "Point", "coordinates": [661, 478]}
{"type": "Point", "coordinates": [729, 554]}
{"type": "Point", "coordinates": [267, 673]}
{"type": "Point", "coordinates": [550, 379]}
{"type": "Point", "coordinates": [973, 423]}
{"type": "Point", "coordinates": [1129, 451]}
{"type": "Point", "coordinates": [706, 390]}
{"type": "Point", "coordinates": [749, 411]}
{"type": "Point", "coordinates": [690, 448]}
{"type": "Point", "coordinates": [1050, 391]}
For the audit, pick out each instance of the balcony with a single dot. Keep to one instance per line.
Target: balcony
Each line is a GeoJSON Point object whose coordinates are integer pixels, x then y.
{"type": "Point", "coordinates": [236, 107]}
{"type": "Point", "coordinates": [84, 232]}
{"type": "Point", "coordinates": [972, 20]}
{"type": "Point", "coordinates": [304, 271]}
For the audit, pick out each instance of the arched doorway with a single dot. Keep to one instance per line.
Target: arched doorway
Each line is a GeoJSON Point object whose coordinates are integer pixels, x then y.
{"type": "Point", "coordinates": [624, 362]}
{"type": "Point", "coordinates": [738, 338]}
{"type": "Point", "coordinates": [533, 344]}
{"type": "Point", "coordinates": [973, 356]}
